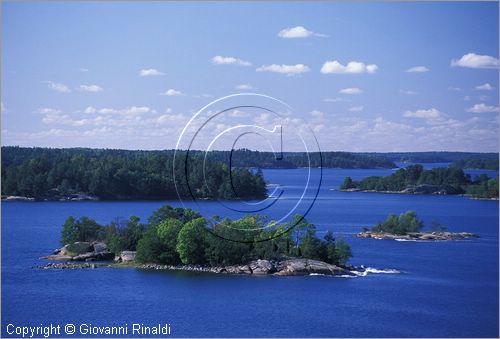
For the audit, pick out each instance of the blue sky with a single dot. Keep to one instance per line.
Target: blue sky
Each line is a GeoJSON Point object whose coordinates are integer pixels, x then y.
{"type": "Point", "coordinates": [364, 76]}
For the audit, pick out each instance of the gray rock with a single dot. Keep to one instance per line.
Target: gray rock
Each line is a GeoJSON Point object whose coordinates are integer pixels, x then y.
{"type": "Point", "coordinates": [127, 256]}
{"type": "Point", "coordinates": [99, 246]}
{"type": "Point", "coordinates": [261, 267]}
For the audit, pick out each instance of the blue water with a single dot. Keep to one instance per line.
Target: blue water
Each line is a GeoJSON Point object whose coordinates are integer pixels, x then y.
{"type": "Point", "coordinates": [445, 289]}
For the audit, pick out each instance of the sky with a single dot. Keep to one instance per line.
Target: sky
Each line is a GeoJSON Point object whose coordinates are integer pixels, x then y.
{"type": "Point", "coordinates": [363, 77]}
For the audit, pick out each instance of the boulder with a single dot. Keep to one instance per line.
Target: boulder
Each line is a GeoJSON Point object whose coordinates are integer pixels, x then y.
{"type": "Point", "coordinates": [99, 246]}
{"type": "Point", "coordinates": [127, 256]}
{"type": "Point", "coordinates": [78, 248]}
{"type": "Point", "coordinates": [261, 267]}
{"type": "Point", "coordinates": [92, 256]}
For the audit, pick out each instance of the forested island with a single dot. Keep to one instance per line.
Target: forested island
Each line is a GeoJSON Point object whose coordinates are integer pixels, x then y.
{"type": "Point", "coordinates": [84, 173]}
{"type": "Point", "coordinates": [466, 160]}
{"type": "Point", "coordinates": [407, 226]}
{"type": "Point", "coordinates": [415, 179]}
{"type": "Point", "coordinates": [175, 237]}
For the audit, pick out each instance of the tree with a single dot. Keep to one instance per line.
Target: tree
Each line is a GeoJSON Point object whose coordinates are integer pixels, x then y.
{"type": "Point", "coordinates": [69, 232]}
{"type": "Point", "coordinates": [301, 228]}
{"type": "Point", "coordinates": [342, 252]}
{"type": "Point", "coordinates": [331, 250]}
{"type": "Point", "coordinates": [347, 183]}
{"type": "Point", "coordinates": [191, 242]}
{"type": "Point", "coordinates": [168, 231]}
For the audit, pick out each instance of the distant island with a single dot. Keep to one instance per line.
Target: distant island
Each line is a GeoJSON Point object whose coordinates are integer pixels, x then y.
{"type": "Point", "coordinates": [407, 227]}
{"type": "Point", "coordinates": [415, 179]}
{"type": "Point", "coordinates": [466, 160]}
{"type": "Point", "coordinates": [101, 174]}
{"type": "Point", "coordinates": [181, 239]}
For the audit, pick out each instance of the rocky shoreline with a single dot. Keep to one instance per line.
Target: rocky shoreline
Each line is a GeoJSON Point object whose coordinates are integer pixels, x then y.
{"type": "Point", "coordinates": [418, 189]}
{"type": "Point", "coordinates": [58, 197]}
{"type": "Point", "coordinates": [100, 257]}
{"type": "Point", "coordinates": [414, 236]}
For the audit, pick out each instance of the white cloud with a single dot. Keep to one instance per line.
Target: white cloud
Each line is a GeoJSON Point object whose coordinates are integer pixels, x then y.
{"type": "Point", "coordinates": [83, 69]}
{"type": "Point", "coordinates": [472, 60]}
{"type": "Point", "coordinates": [133, 110]}
{"type": "Point", "coordinates": [150, 72]}
{"type": "Point", "coordinates": [431, 113]}
{"type": "Point", "coordinates": [298, 32]}
{"type": "Point", "coordinates": [402, 91]}
{"type": "Point", "coordinates": [482, 108]}
{"type": "Point", "coordinates": [417, 69]}
{"type": "Point", "coordinates": [90, 88]}
{"type": "Point", "coordinates": [90, 110]}
{"type": "Point", "coordinates": [485, 87]}
{"type": "Point", "coordinates": [455, 89]}
{"type": "Point", "coordinates": [46, 110]}
{"type": "Point", "coordinates": [284, 69]}
{"type": "Point", "coordinates": [3, 108]}
{"type": "Point", "coordinates": [220, 60]}
{"type": "Point", "coordinates": [172, 93]}
{"type": "Point", "coordinates": [58, 87]}
{"type": "Point", "coordinates": [332, 99]}
{"type": "Point", "coordinates": [356, 109]}
{"type": "Point", "coordinates": [351, 90]}
{"type": "Point", "coordinates": [244, 87]}
{"type": "Point", "coordinates": [353, 67]}
{"type": "Point", "coordinates": [317, 114]}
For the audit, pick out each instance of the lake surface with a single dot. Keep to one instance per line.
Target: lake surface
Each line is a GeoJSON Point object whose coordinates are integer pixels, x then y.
{"type": "Point", "coordinates": [445, 289]}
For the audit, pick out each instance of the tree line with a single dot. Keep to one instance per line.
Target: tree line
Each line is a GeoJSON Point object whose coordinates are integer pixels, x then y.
{"type": "Point", "coordinates": [182, 236]}
{"type": "Point", "coordinates": [453, 177]}
{"type": "Point", "coordinates": [120, 174]}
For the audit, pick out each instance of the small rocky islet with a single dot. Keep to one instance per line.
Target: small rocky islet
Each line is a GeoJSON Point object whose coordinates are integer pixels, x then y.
{"type": "Point", "coordinates": [414, 236]}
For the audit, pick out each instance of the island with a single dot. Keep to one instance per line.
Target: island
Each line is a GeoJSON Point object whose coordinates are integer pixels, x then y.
{"type": "Point", "coordinates": [406, 227]}
{"type": "Point", "coordinates": [181, 239]}
{"type": "Point", "coordinates": [414, 179]}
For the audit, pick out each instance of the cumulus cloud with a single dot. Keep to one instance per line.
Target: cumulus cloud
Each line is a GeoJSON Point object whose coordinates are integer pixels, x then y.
{"type": "Point", "coordinates": [58, 87]}
{"type": "Point", "coordinates": [147, 72]}
{"type": "Point", "coordinates": [356, 109]}
{"type": "Point", "coordinates": [284, 69]}
{"type": "Point", "coordinates": [417, 69]}
{"type": "Point", "coordinates": [351, 90]}
{"type": "Point", "coordinates": [482, 108]}
{"type": "Point", "coordinates": [90, 88]}
{"type": "Point", "coordinates": [473, 60]}
{"type": "Point", "coordinates": [353, 67]}
{"type": "Point", "coordinates": [172, 93]}
{"type": "Point", "coordinates": [90, 110]}
{"type": "Point", "coordinates": [431, 113]}
{"type": "Point", "coordinates": [299, 32]}
{"type": "Point", "coordinates": [485, 87]}
{"type": "Point", "coordinates": [244, 87]}
{"type": "Point", "coordinates": [221, 60]}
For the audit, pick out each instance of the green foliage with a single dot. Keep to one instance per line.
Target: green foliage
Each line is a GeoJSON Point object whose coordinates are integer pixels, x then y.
{"type": "Point", "coordinates": [123, 236]}
{"type": "Point", "coordinates": [405, 223]}
{"type": "Point", "coordinates": [452, 177]}
{"type": "Point", "coordinates": [490, 164]}
{"type": "Point", "coordinates": [191, 242]}
{"type": "Point", "coordinates": [46, 173]}
{"type": "Point", "coordinates": [484, 188]}
{"type": "Point", "coordinates": [348, 183]}
{"type": "Point", "coordinates": [342, 252]}
{"type": "Point", "coordinates": [83, 229]}
{"type": "Point", "coordinates": [176, 235]}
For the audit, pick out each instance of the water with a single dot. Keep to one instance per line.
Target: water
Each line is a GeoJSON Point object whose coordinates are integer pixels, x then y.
{"type": "Point", "coordinates": [446, 289]}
